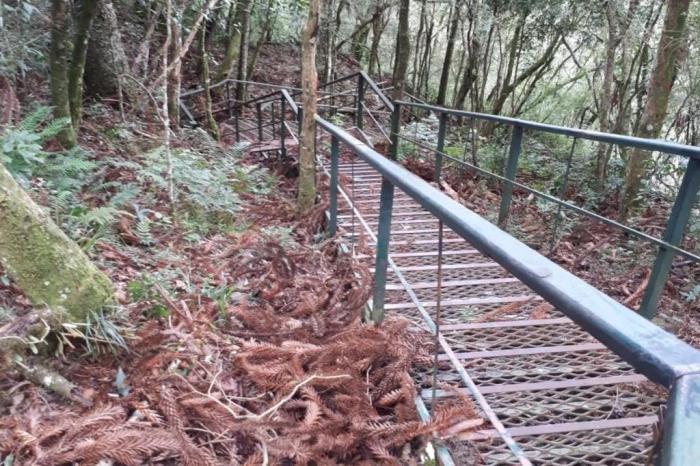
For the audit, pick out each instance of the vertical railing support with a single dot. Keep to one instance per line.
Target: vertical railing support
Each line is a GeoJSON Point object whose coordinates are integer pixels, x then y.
{"type": "Point", "coordinates": [258, 111]}
{"type": "Point", "coordinates": [677, 221]}
{"type": "Point", "coordinates": [395, 130]}
{"type": "Point", "coordinates": [386, 203]}
{"type": "Point", "coordinates": [682, 423]}
{"type": "Point", "coordinates": [283, 112]}
{"type": "Point", "coordinates": [516, 141]}
{"type": "Point", "coordinates": [442, 128]}
{"type": "Point", "coordinates": [359, 112]}
{"type": "Point", "coordinates": [237, 125]}
{"type": "Point", "coordinates": [228, 100]}
{"type": "Point", "coordinates": [333, 227]}
{"type": "Point", "coordinates": [274, 118]}
{"type": "Point", "coordinates": [562, 195]}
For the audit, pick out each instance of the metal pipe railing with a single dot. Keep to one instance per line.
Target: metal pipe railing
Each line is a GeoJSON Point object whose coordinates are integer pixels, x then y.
{"type": "Point", "coordinates": [669, 246]}
{"type": "Point", "coordinates": [657, 354]}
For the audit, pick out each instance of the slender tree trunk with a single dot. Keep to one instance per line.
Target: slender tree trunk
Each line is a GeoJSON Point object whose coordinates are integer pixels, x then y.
{"type": "Point", "coordinates": [309, 84]}
{"type": "Point", "coordinates": [449, 51]}
{"type": "Point", "coordinates": [269, 23]}
{"type": "Point", "coordinates": [233, 46]}
{"type": "Point", "coordinates": [508, 87]}
{"type": "Point", "coordinates": [421, 28]}
{"type": "Point", "coordinates": [242, 74]}
{"type": "Point", "coordinates": [377, 30]}
{"type": "Point", "coordinates": [86, 13]}
{"type": "Point", "coordinates": [58, 68]}
{"type": "Point", "coordinates": [49, 268]}
{"type": "Point", "coordinates": [470, 71]}
{"type": "Point", "coordinates": [174, 75]}
{"type": "Point", "coordinates": [403, 51]}
{"type": "Point", "coordinates": [213, 127]}
{"type": "Point", "coordinates": [670, 54]}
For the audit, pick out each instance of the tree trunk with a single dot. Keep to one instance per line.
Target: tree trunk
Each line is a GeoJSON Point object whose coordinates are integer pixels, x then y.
{"type": "Point", "coordinates": [449, 51]}
{"type": "Point", "coordinates": [213, 127]}
{"type": "Point", "coordinates": [268, 25]}
{"type": "Point", "coordinates": [421, 27]}
{"type": "Point", "coordinates": [403, 51]}
{"type": "Point", "coordinates": [309, 83]}
{"type": "Point", "coordinates": [233, 47]}
{"type": "Point", "coordinates": [174, 75]}
{"type": "Point", "coordinates": [616, 32]}
{"type": "Point", "coordinates": [49, 268]}
{"type": "Point", "coordinates": [508, 87]}
{"type": "Point", "coordinates": [86, 13]}
{"type": "Point", "coordinates": [58, 68]}
{"type": "Point", "coordinates": [106, 59]}
{"type": "Point", "coordinates": [669, 56]}
{"type": "Point", "coordinates": [377, 29]}
{"type": "Point", "coordinates": [243, 53]}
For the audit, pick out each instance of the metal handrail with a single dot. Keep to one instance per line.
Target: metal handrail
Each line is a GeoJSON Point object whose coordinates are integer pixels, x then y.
{"type": "Point", "coordinates": [659, 145]}
{"type": "Point", "coordinates": [678, 218]}
{"type": "Point", "coordinates": [556, 200]}
{"type": "Point", "coordinates": [652, 351]}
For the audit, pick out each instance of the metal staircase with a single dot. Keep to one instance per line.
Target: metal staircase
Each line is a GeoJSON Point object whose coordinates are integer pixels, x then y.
{"type": "Point", "coordinates": [563, 374]}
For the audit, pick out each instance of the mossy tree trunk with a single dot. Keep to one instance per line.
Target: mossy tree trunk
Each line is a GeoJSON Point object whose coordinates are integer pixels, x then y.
{"type": "Point", "coordinates": [309, 83]}
{"type": "Point", "coordinates": [233, 46]}
{"type": "Point", "coordinates": [242, 72]}
{"type": "Point", "coordinates": [86, 10]}
{"type": "Point", "coordinates": [43, 262]}
{"type": "Point", "coordinates": [58, 67]}
{"type": "Point", "coordinates": [213, 127]}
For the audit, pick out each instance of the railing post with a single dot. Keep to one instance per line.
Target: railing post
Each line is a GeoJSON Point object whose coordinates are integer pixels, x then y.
{"type": "Point", "coordinates": [395, 130]}
{"type": "Point", "coordinates": [283, 111]}
{"type": "Point", "coordinates": [228, 100]}
{"type": "Point", "coordinates": [359, 114]}
{"type": "Point", "coordinates": [238, 127]}
{"type": "Point", "coordinates": [258, 110]}
{"type": "Point", "coordinates": [440, 146]}
{"type": "Point", "coordinates": [516, 141]}
{"type": "Point", "coordinates": [333, 227]}
{"type": "Point", "coordinates": [274, 118]}
{"type": "Point", "coordinates": [386, 203]}
{"type": "Point", "coordinates": [681, 428]}
{"type": "Point", "coordinates": [677, 221]}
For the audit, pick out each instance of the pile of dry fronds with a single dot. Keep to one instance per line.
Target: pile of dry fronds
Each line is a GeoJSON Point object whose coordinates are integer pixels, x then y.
{"type": "Point", "coordinates": [289, 376]}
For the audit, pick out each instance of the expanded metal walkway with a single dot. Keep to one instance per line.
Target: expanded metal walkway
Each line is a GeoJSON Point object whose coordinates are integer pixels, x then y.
{"type": "Point", "coordinates": [551, 393]}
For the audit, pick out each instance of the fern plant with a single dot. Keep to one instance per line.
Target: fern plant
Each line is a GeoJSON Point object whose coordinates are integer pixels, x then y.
{"type": "Point", "coordinates": [21, 146]}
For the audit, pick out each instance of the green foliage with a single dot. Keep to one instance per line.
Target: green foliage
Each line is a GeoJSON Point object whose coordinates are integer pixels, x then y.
{"type": "Point", "coordinates": [21, 146]}
{"type": "Point", "coordinates": [22, 45]}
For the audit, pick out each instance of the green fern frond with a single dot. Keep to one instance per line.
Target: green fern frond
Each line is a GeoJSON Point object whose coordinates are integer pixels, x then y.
{"type": "Point", "coordinates": [32, 121]}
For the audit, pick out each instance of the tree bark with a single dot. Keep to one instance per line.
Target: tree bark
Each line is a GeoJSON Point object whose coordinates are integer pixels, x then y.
{"type": "Point", "coordinates": [243, 53]}
{"type": "Point", "coordinates": [106, 59]}
{"type": "Point", "coordinates": [58, 68]}
{"type": "Point", "coordinates": [49, 268]}
{"type": "Point", "coordinates": [403, 51]}
{"type": "Point", "coordinates": [670, 54]}
{"type": "Point", "coordinates": [268, 25]}
{"type": "Point", "coordinates": [213, 127]}
{"type": "Point", "coordinates": [449, 51]}
{"type": "Point", "coordinates": [378, 26]}
{"type": "Point", "coordinates": [233, 46]}
{"type": "Point", "coordinates": [86, 13]}
{"type": "Point", "coordinates": [309, 83]}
